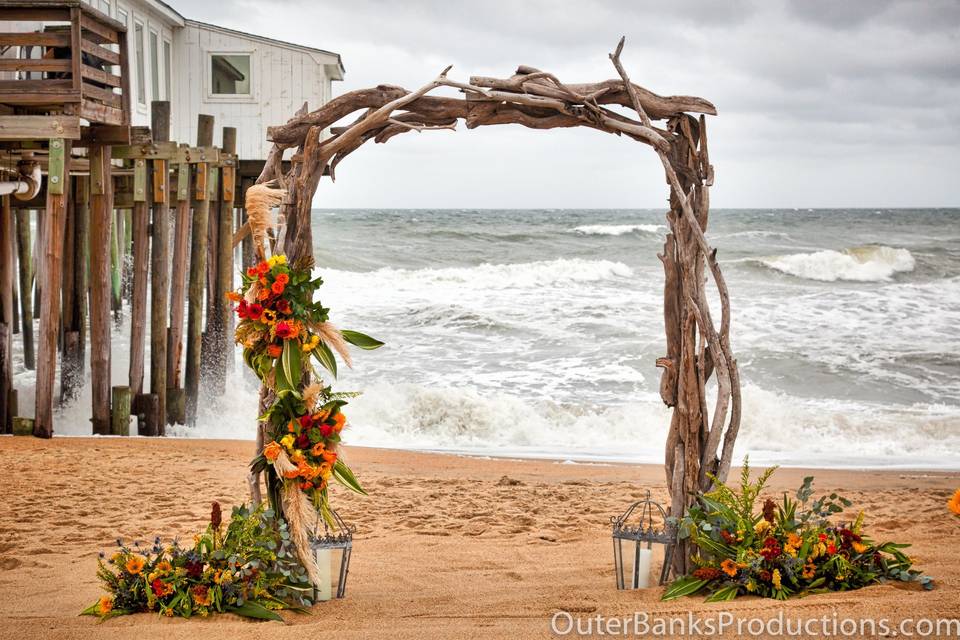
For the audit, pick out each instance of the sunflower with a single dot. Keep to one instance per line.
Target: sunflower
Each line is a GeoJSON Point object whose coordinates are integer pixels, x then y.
{"type": "Point", "coordinates": [729, 567]}
{"type": "Point", "coordinates": [135, 564]}
{"type": "Point", "coordinates": [105, 605]}
{"type": "Point", "coordinates": [201, 595]}
{"type": "Point", "coordinates": [954, 503]}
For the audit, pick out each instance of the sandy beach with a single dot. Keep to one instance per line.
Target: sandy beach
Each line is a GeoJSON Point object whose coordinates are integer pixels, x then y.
{"type": "Point", "coordinates": [446, 546]}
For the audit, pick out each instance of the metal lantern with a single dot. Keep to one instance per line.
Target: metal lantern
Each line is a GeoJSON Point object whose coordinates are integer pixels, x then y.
{"type": "Point", "coordinates": [331, 552]}
{"type": "Point", "coordinates": [634, 534]}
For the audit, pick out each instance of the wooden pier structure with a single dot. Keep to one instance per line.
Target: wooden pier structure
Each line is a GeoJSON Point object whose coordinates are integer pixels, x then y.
{"type": "Point", "coordinates": [99, 219]}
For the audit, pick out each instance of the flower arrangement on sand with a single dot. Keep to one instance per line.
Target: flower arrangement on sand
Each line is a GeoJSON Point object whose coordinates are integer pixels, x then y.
{"type": "Point", "coordinates": [283, 331]}
{"type": "Point", "coordinates": [248, 567]}
{"type": "Point", "coordinates": [784, 550]}
{"type": "Point", "coordinates": [953, 504]}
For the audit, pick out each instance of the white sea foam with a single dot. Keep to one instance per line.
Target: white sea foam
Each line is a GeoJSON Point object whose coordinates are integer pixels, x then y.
{"type": "Point", "coordinates": [494, 276]}
{"type": "Point", "coordinates": [873, 263]}
{"type": "Point", "coordinates": [617, 229]}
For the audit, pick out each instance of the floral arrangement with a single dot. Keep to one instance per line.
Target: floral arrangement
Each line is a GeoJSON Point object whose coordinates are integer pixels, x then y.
{"type": "Point", "coordinates": [249, 568]}
{"type": "Point", "coordinates": [787, 549]}
{"type": "Point", "coordinates": [283, 331]}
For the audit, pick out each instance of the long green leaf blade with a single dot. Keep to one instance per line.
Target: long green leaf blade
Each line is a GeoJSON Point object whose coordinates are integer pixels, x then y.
{"type": "Point", "coordinates": [325, 356]}
{"type": "Point", "coordinates": [343, 475]}
{"type": "Point", "coordinates": [361, 340]}
{"type": "Point", "coordinates": [685, 586]}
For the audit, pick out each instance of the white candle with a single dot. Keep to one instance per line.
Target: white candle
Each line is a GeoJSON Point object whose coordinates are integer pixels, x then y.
{"type": "Point", "coordinates": [324, 590]}
{"type": "Point", "coordinates": [642, 579]}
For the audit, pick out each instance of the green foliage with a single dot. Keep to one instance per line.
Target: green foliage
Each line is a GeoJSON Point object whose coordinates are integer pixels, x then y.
{"type": "Point", "coordinates": [249, 568]}
{"type": "Point", "coordinates": [781, 550]}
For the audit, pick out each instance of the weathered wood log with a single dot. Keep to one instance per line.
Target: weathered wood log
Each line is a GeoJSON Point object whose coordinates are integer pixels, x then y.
{"type": "Point", "coordinates": [22, 426]}
{"type": "Point", "coordinates": [25, 264]}
{"type": "Point", "coordinates": [225, 259]}
{"type": "Point", "coordinates": [178, 278]}
{"type": "Point", "coordinates": [176, 407]}
{"type": "Point", "coordinates": [101, 214]}
{"type": "Point", "coordinates": [120, 411]}
{"type": "Point", "coordinates": [146, 406]}
{"type": "Point", "coordinates": [74, 314]}
{"type": "Point", "coordinates": [198, 258]}
{"type": "Point", "coordinates": [53, 229]}
{"type": "Point", "coordinates": [7, 313]}
{"type": "Point", "coordinates": [116, 265]}
{"type": "Point", "coordinates": [141, 263]}
{"type": "Point", "coordinates": [159, 264]}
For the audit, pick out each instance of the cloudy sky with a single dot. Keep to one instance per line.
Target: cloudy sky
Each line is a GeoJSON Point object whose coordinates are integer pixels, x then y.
{"type": "Point", "coordinates": [821, 103]}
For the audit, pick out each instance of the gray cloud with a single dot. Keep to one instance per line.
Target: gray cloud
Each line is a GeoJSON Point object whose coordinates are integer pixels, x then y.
{"type": "Point", "coordinates": [807, 91]}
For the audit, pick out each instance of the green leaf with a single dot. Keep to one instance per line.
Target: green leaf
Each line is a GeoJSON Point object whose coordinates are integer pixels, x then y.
{"type": "Point", "coordinates": [256, 610]}
{"type": "Point", "coordinates": [290, 360]}
{"type": "Point", "coordinates": [723, 594]}
{"type": "Point", "coordinates": [685, 586]}
{"type": "Point", "coordinates": [343, 475]}
{"type": "Point", "coordinates": [325, 356]}
{"type": "Point", "coordinates": [361, 340]}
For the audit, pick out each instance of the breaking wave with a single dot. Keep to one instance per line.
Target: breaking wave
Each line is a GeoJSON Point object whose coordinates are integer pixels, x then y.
{"type": "Point", "coordinates": [617, 229]}
{"type": "Point", "coordinates": [873, 263]}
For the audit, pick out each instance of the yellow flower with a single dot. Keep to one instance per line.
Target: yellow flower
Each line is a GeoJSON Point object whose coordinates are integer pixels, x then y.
{"type": "Point", "coordinates": [105, 605]}
{"type": "Point", "coordinates": [268, 316]}
{"type": "Point", "coordinates": [794, 540]}
{"type": "Point", "coordinates": [809, 570]}
{"type": "Point", "coordinates": [859, 547]}
{"type": "Point", "coordinates": [761, 527]}
{"type": "Point", "coordinates": [135, 564]}
{"type": "Point", "coordinates": [287, 441]}
{"type": "Point", "coordinates": [954, 503]}
{"type": "Point", "coordinates": [776, 578]}
{"type": "Point", "coordinates": [277, 259]}
{"type": "Point", "coordinates": [729, 567]}
{"type": "Point", "coordinates": [163, 567]}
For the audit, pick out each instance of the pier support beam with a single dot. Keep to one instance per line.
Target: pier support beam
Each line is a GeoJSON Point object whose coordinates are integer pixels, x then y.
{"type": "Point", "coordinates": [7, 314]}
{"type": "Point", "coordinates": [159, 267]}
{"type": "Point", "coordinates": [52, 256]}
{"type": "Point", "coordinates": [101, 212]}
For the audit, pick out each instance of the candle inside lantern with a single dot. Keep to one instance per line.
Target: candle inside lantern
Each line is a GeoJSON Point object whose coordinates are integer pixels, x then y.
{"type": "Point", "coordinates": [641, 576]}
{"type": "Point", "coordinates": [324, 589]}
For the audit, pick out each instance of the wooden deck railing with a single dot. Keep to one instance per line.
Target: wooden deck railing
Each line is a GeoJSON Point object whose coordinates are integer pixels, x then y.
{"type": "Point", "coordinates": [74, 67]}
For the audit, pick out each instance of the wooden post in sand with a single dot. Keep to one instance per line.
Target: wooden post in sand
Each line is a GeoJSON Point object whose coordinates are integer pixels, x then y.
{"type": "Point", "coordinates": [178, 281]}
{"type": "Point", "coordinates": [120, 414]}
{"type": "Point", "coordinates": [159, 267]}
{"type": "Point", "coordinates": [101, 210]}
{"type": "Point", "coordinates": [141, 248]}
{"type": "Point", "coordinates": [198, 264]}
{"type": "Point", "coordinates": [52, 256]}
{"type": "Point", "coordinates": [7, 314]}
{"type": "Point", "coordinates": [25, 264]}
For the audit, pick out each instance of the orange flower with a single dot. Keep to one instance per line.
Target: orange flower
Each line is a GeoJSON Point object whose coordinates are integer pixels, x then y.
{"type": "Point", "coordinates": [233, 296]}
{"type": "Point", "coordinates": [272, 451]}
{"type": "Point", "coordinates": [329, 457]}
{"type": "Point", "coordinates": [274, 350]}
{"type": "Point", "coordinates": [277, 287]}
{"type": "Point", "coordinates": [809, 571]}
{"type": "Point", "coordinates": [263, 268]}
{"type": "Point", "coordinates": [729, 567]}
{"type": "Point", "coordinates": [135, 564]}
{"type": "Point", "coordinates": [292, 473]}
{"type": "Point", "coordinates": [318, 449]}
{"type": "Point", "coordinates": [338, 422]}
{"type": "Point", "coordinates": [105, 605]}
{"type": "Point", "coordinates": [263, 293]}
{"type": "Point", "coordinates": [306, 486]}
{"type": "Point", "coordinates": [252, 272]}
{"type": "Point", "coordinates": [201, 595]}
{"type": "Point", "coordinates": [282, 278]}
{"type": "Point", "coordinates": [954, 503]}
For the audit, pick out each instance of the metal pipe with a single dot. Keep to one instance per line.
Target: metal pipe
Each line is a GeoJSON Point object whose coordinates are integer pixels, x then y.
{"type": "Point", "coordinates": [27, 186]}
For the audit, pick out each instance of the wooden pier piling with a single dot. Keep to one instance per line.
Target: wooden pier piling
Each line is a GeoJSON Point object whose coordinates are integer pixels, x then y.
{"type": "Point", "coordinates": [101, 210]}
{"type": "Point", "coordinates": [25, 264]}
{"type": "Point", "coordinates": [159, 266]}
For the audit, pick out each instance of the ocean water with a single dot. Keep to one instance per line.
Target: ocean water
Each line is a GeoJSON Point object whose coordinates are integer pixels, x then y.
{"type": "Point", "coordinates": [534, 333]}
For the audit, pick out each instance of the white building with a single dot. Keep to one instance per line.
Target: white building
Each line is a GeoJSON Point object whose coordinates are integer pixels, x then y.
{"type": "Point", "coordinates": [243, 80]}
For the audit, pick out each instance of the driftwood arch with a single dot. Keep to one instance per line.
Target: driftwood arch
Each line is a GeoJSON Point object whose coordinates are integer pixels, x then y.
{"type": "Point", "coordinates": [697, 347]}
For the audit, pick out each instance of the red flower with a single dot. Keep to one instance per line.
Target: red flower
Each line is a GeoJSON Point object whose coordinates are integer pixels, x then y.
{"type": "Point", "coordinates": [252, 272]}
{"type": "Point", "coordinates": [254, 311]}
{"type": "Point", "coordinates": [242, 309]}
{"type": "Point", "coordinates": [305, 421]}
{"type": "Point", "coordinates": [284, 330]}
{"type": "Point", "coordinates": [263, 268]}
{"type": "Point", "coordinates": [706, 573]}
{"type": "Point", "coordinates": [771, 549]}
{"type": "Point", "coordinates": [277, 287]}
{"type": "Point", "coordinates": [274, 350]}
{"type": "Point", "coordinates": [283, 306]}
{"type": "Point", "coordinates": [161, 588]}
{"type": "Point", "coordinates": [831, 548]}
{"type": "Point", "coordinates": [194, 568]}
{"type": "Point", "coordinates": [822, 537]}
{"type": "Point", "coordinates": [769, 509]}
{"type": "Point", "coordinates": [326, 430]}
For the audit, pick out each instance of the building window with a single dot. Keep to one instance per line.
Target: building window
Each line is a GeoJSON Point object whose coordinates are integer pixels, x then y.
{"type": "Point", "coordinates": [141, 66]}
{"type": "Point", "coordinates": [155, 63]}
{"type": "Point", "coordinates": [105, 6]}
{"type": "Point", "coordinates": [167, 69]}
{"type": "Point", "coordinates": [230, 74]}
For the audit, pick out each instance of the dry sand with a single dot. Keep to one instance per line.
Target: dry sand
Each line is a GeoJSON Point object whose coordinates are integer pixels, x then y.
{"type": "Point", "coordinates": [447, 546]}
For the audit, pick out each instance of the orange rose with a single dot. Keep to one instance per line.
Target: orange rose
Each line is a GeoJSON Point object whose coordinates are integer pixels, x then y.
{"type": "Point", "coordinates": [263, 294]}
{"type": "Point", "coordinates": [274, 350]}
{"type": "Point", "coordinates": [272, 451]}
{"type": "Point", "coordinates": [330, 457]}
{"type": "Point", "coordinates": [283, 278]}
{"type": "Point", "coordinates": [263, 268]}
{"type": "Point", "coordinates": [338, 422]}
{"type": "Point", "coordinates": [277, 287]}
{"type": "Point", "coordinates": [318, 450]}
